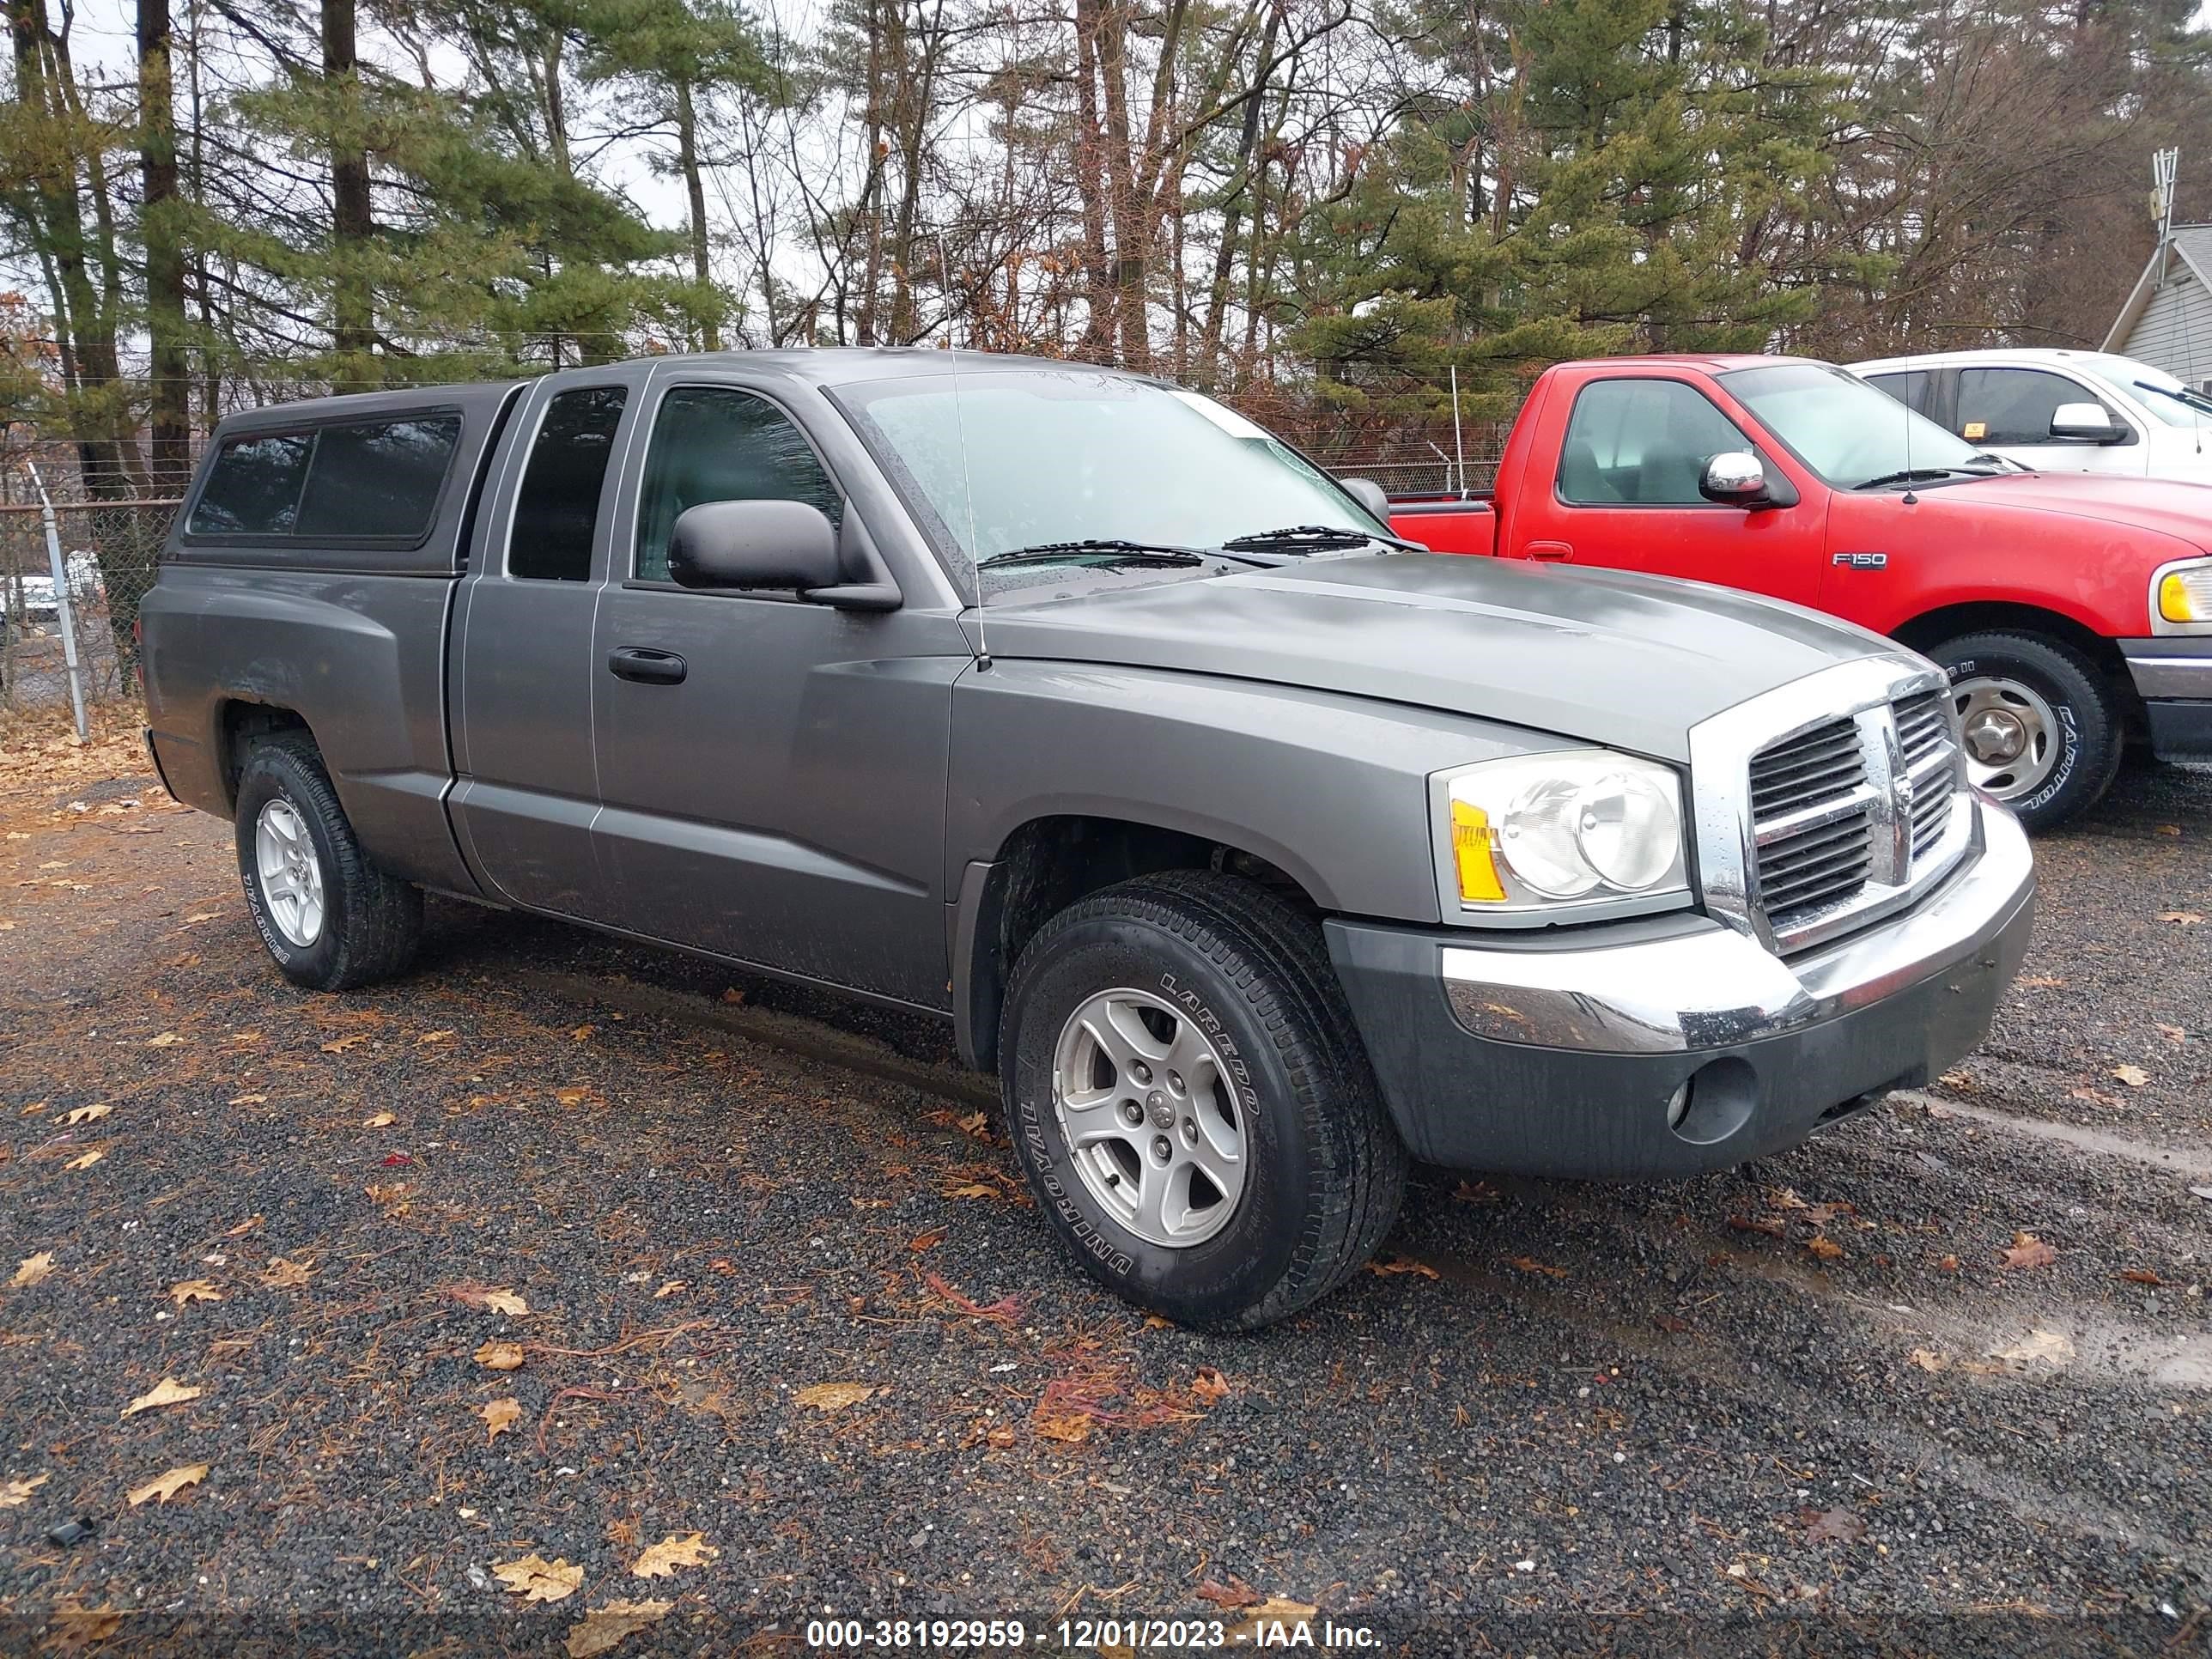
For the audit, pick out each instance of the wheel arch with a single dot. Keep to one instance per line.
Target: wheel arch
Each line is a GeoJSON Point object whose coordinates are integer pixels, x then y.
{"type": "Point", "coordinates": [1047, 863]}
{"type": "Point", "coordinates": [1928, 631]}
{"type": "Point", "coordinates": [241, 724]}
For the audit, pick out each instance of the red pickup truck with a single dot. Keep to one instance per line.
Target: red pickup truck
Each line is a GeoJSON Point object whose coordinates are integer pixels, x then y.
{"type": "Point", "coordinates": [2073, 612]}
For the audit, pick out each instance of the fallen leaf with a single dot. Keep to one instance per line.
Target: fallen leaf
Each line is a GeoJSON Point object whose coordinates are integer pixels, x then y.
{"type": "Point", "coordinates": [1005, 1309]}
{"type": "Point", "coordinates": [2096, 1097]}
{"type": "Point", "coordinates": [2134, 1076]}
{"type": "Point", "coordinates": [2028, 1250]}
{"type": "Point", "coordinates": [1928, 1359]}
{"type": "Point", "coordinates": [826, 1397]}
{"type": "Point", "coordinates": [283, 1275]}
{"type": "Point", "coordinates": [163, 1041]}
{"type": "Point", "coordinates": [500, 1357]}
{"type": "Point", "coordinates": [972, 1189]}
{"type": "Point", "coordinates": [1387, 1266]}
{"type": "Point", "coordinates": [2169, 829]}
{"type": "Point", "coordinates": [2038, 1347]}
{"type": "Point", "coordinates": [243, 1227]}
{"type": "Point", "coordinates": [14, 1494]}
{"type": "Point", "coordinates": [1274, 1610]}
{"type": "Point", "coordinates": [1234, 1593]}
{"type": "Point", "coordinates": [2171, 1033]}
{"type": "Point", "coordinates": [86, 1160]}
{"type": "Point", "coordinates": [382, 1121]}
{"type": "Point", "coordinates": [166, 1486]}
{"type": "Point", "coordinates": [345, 1043]}
{"type": "Point", "coordinates": [168, 1392]}
{"type": "Point", "coordinates": [2039, 982]}
{"type": "Point", "coordinates": [396, 1160]}
{"type": "Point", "coordinates": [87, 1115]}
{"type": "Point", "coordinates": [1529, 1264]}
{"type": "Point", "coordinates": [72, 1629]}
{"type": "Point", "coordinates": [1950, 1264]}
{"type": "Point", "coordinates": [535, 1579]}
{"type": "Point", "coordinates": [674, 1287]}
{"type": "Point", "coordinates": [499, 1416]}
{"type": "Point", "coordinates": [977, 1124]}
{"type": "Point", "coordinates": [688, 1549]}
{"type": "Point", "coordinates": [247, 1100]}
{"type": "Point", "coordinates": [733, 994]}
{"type": "Point", "coordinates": [2140, 1276]}
{"type": "Point", "coordinates": [1825, 1247]}
{"type": "Point", "coordinates": [928, 1241]}
{"type": "Point", "coordinates": [1773, 1225]}
{"type": "Point", "coordinates": [1155, 1322]}
{"type": "Point", "coordinates": [578, 1095]}
{"type": "Point", "coordinates": [583, 1033]}
{"type": "Point", "coordinates": [436, 1037]}
{"type": "Point", "coordinates": [187, 1291]}
{"type": "Point", "coordinates": [1836, 1526]}
{"type": "Point", "coordinates": [485, 1299]}
{"type": "Point", "coordinates": [1069, 1428]}
{"type": "Point", "coordinates": [607, 1627]}
{"type": "Point", "coordinates": [1209, 1385]}
{"type": "Point", "coordinates": [2185, 918]}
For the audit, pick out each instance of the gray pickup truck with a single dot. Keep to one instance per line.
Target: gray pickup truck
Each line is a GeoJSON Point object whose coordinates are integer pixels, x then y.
{"type": "Point", "coordinates": [1253, 851]}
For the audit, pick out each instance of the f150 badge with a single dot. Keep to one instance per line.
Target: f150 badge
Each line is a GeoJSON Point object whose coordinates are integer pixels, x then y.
{"type": "Point", "coordinates": [1860, 560]}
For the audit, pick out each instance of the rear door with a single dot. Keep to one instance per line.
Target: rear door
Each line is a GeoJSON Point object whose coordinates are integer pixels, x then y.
{"type": "Point", "coordinates": [2010, 409]}
{"type": "Point", "coordinates": [528, 788]}
{"type": "Point", "coordinates": [773, 770]}
{"type": "Point", "coordinates": [1630, 451]}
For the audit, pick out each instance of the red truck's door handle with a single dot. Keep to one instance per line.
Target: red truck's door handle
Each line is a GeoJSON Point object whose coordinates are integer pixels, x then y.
{"type": "Point", "coordinates": [1549, 550]}
{"type": "Point", "coordinates": [644, 666]}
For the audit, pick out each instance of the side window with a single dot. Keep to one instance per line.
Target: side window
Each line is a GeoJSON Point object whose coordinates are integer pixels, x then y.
{"type": "Point", "coordinates": [1911, 387]}
{"type": "Point", "coordinates": [558, 505]}
{"type": "Point", "coordinates": [1642, 443]}
{"type": "Point", "coordinates": [2015, 405]}
{"type": "Point", "coordinates": [380, 479]}
{"type": "Point", "coordinates": [253, 487]}
{"type": "Point", "coordinates": [719, 444]}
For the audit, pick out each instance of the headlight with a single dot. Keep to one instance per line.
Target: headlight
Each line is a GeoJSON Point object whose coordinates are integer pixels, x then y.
{"type": "Point", "coordinates": [1543, 832]}
{"type": "Point", "coordinates": [2182, 593]}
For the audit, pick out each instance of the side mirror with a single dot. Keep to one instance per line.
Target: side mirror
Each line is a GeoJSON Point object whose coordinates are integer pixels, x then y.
{"type": "Point", "coordinates": [1736, 477]}
{"type": "Point", "coordinates": [764, 545]}
{"type": "Point", "coordinates": [2085, 423]}
{"type": "Point", "coordinates": [1371, 495]}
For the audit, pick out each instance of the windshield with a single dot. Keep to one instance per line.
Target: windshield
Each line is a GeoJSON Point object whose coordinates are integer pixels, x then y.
{"type": "Point", "coordinates": [1062, 456]}
{"type": "Point", "coordinates": [2133, 380]}
{"type": "Point", "coordinates": [1846, 430]}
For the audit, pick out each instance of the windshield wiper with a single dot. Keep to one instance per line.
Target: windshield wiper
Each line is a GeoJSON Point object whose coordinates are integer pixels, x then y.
{"type": "Point", "coordinates": [1316, 536]}
{"type": "Point", "coordinates": [2185, 398]}
{"type": "Point", "coordinates": [1124, 553]}
{"type": "Point", "coordinates": [1916, 474]}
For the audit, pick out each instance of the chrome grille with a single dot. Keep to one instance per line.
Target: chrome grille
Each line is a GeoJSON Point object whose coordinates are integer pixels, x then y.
{"type": "Point", "coordinates": [1811, 807]}
{"type": "Point", "coordinates": [1849, 815]}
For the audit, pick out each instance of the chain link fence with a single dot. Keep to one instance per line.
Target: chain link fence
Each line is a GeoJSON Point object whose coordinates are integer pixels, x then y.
{"type": "Point", "coordinates": [109, 550]}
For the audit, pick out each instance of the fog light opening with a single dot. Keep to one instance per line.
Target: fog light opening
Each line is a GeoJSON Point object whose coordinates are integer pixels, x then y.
{"type": "Point", "coordinates": [1716, 1101]}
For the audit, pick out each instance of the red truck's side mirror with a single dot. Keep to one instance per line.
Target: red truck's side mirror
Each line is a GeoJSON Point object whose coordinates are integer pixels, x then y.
{"type": "Point", "coordinates": [1737, 478]}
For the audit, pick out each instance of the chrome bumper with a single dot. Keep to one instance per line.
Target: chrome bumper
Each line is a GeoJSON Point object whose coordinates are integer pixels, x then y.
{"type": "Point", "coordinates": [1714, 988]}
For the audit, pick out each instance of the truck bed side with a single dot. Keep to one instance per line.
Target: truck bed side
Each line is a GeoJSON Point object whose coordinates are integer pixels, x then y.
{"type": "Point", "coordinates": [344, 636]}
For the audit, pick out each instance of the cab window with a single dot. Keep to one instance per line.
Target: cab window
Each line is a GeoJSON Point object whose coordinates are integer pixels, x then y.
{"type": "Point", "coordinates": [1642, 443]}
{"type": "Point", "coordinates": [2015, 405]}
{"type": "Point", "coordinates": [718, 444]}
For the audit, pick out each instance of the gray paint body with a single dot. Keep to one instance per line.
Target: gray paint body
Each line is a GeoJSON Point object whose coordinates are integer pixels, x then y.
{"type": "Point", "coordinates": [824, 793]}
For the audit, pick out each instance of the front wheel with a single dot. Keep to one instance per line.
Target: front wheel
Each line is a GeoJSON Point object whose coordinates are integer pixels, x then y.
{"type": "Point", "coordinates": [1191, 1103]}
{"type": "Point", "coordinates": [2043, 733]}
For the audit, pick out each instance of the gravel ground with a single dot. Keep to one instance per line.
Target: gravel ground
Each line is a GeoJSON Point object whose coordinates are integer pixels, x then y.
{"type": "Point", "coordinates": [1834, 1402]}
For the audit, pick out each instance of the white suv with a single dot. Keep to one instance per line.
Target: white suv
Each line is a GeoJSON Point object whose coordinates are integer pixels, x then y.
{"type": "Point", "coordinates": [2059, 411]}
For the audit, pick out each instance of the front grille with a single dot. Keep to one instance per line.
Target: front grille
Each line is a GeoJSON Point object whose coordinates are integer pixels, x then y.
{"type": "Point", "coordinates": [1811, 808]}
{"type": "Point", "coordinates": [1829, 818]}
{"type": "Point", "coordinates": [1924, 736]}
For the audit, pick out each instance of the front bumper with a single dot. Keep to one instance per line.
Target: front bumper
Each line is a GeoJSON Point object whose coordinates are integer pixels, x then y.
{"type": "Point", "coordinates": [1559, 1055]}
{"type": "Point", "coordinates": [2173, 677]}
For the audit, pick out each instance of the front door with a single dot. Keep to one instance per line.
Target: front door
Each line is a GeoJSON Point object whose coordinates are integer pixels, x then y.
{"type": "Point", "coordinates": [527, 790]}
{"type": "Point", "coordinates": [1625, 496]}
{"type": "Point", "coordinates": [772, 771]}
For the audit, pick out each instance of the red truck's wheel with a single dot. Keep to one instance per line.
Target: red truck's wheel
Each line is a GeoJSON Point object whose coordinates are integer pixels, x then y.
{"type": "Point", "coordinates": [330, 918]}
{"type": "Point", "coordinates": [1191, 1103]}
{"type": "Point", "coordinates": [2042, 732]}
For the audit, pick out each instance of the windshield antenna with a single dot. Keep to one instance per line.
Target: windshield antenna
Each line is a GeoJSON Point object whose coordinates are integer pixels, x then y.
{"type": "Point", "coordinates": [967, 488]}
{"type": "Point", "coordinates": [1910, 498]}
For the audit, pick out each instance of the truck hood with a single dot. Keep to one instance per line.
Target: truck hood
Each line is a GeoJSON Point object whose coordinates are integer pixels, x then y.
{"type": "Point", "coordinates": [2161, 506]}
{"type": "Point", "coordinates": [1611, 658]}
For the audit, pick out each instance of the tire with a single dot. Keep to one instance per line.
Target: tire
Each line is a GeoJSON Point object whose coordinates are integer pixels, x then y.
{"type": "Point", "coordinates": [1236, 973]}
{"type": "Point", "coordinates": [369, 922]}
{"type": "Point", "coordinates": [2075, 727]}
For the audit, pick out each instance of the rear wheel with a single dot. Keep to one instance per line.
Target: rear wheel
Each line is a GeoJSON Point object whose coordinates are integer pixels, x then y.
{"type": "Point", "coordinates": [329, 916]}
{"type": "Point", "coordinates": [1191, 1103]}
{"type": "Point", "coordinates": [2043, 733]}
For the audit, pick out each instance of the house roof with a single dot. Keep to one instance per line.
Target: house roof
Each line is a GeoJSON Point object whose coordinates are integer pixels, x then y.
{"type": "Point", "coordinates": [2191, 247]}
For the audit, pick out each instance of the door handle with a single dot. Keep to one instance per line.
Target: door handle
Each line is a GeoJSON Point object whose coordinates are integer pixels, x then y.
{"type": "Point", "coordinates": [1549, 550]}
{"type": "Point", "coordinates": [644, 666]}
